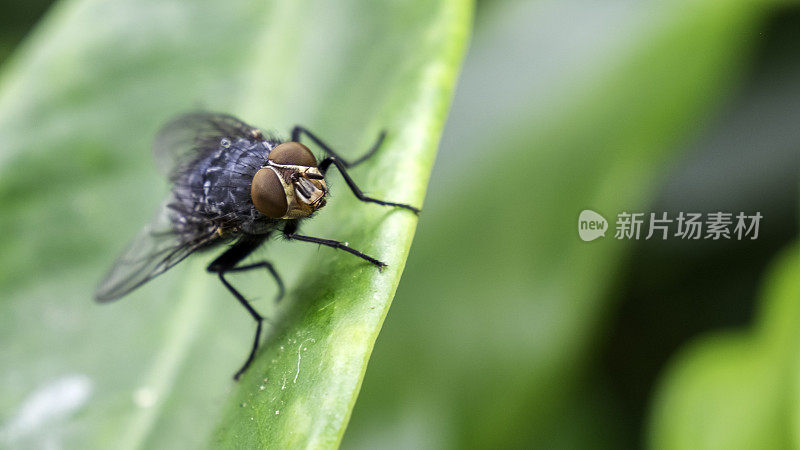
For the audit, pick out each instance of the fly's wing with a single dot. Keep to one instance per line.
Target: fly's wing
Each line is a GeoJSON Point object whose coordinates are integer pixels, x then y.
{"type": "Point", "coordinates": [159, 245]}
{"type": "Point", "coordinates": [156, 248]}
{"type": "Point", "coordinates": [189, 136]}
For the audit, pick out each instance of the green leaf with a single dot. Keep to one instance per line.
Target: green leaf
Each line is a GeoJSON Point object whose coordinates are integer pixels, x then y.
{"type": "Point", "coordinates": [502, 307]}
{"type": "Point", "coordinates": [79, 104]}
{"type": "Point", "coordinates": [738, 389]}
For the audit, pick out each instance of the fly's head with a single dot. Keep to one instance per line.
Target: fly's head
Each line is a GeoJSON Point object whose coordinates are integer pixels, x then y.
{"type": "Point", "coordinates": [289, 186]}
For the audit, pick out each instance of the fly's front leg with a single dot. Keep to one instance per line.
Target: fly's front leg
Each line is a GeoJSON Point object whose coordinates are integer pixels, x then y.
{"type": "Point", "coordinates": [343, 165]}
{"type": "Point", "coordinates": [298, 130]}
{"type": "Point", "coordinates": [323, 168]}
{"type": "Point", "coordinates": [290, 232]}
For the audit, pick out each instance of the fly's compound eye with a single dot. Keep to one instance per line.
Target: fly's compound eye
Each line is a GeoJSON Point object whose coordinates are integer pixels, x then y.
{"type": "Point", "coordinates": [268, 195]}
{"type": "Point", "coordinates": [294, 154]}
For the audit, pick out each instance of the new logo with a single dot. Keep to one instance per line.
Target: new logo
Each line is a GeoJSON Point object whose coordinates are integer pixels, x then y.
{"type": "Point", "coordinates": [591, 225]}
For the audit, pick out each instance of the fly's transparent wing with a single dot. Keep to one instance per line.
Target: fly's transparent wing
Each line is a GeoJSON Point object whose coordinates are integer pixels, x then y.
{"type": "Point", "coordinates": [189, 136]}
{"type": "Point", "coordinates": [155, 249]}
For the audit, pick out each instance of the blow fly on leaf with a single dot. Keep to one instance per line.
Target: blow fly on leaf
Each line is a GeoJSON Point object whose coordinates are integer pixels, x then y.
{"type": "Point", "coordinates": [232, 183]}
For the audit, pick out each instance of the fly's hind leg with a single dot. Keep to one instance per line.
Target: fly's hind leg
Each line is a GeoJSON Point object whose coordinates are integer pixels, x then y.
{"type": "Point", "coordinates": [270, 268]}
{"type": "Point", "coordinates": [226, 263]}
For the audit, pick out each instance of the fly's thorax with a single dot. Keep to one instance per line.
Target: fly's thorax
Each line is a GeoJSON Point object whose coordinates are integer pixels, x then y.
{"type": "Point", "coordinates": [289, 185]}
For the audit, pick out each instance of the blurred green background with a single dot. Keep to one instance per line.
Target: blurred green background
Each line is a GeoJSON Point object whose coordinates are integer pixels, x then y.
{"type": "Point", "coordinates": [507, 331]}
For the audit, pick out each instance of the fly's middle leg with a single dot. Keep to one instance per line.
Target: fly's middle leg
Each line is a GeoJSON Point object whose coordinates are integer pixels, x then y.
{"type": "Point", "coordinates": [227, 262]}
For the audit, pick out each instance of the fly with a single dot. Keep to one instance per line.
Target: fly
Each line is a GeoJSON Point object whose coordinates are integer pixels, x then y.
{"type": "Point", "coordinates": [231, 183]}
